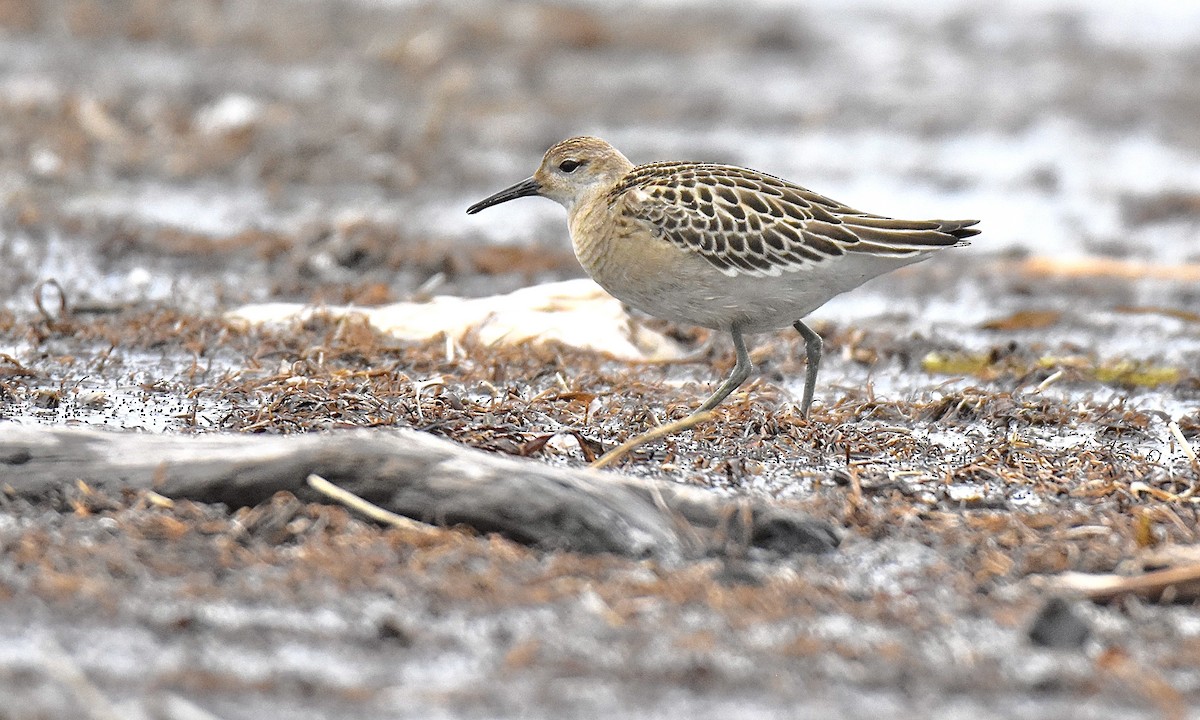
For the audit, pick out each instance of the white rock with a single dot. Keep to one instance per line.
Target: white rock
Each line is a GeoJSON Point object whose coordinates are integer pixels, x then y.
{"type": "Point", "coordinates": [577, 313]}
{"type": "Point", "coordinates": [230, 114]}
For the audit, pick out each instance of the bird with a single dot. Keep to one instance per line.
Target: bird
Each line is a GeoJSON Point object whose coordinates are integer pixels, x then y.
{"type": "Point", "coordinates": [719, 246]}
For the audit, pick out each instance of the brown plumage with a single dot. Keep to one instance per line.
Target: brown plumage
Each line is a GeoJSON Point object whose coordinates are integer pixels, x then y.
{"type": "Point", "coordinates": [720, 246]}
{"type": "Point", "coordinates": [743, 221]}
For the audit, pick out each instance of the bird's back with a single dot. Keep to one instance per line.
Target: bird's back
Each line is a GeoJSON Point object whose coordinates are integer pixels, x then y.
{"type": "Point", "coordinates": [745, 222]}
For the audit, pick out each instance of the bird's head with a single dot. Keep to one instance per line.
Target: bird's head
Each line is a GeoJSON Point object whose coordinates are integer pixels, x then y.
{"type": "Point", "coordinates": [571, 170]}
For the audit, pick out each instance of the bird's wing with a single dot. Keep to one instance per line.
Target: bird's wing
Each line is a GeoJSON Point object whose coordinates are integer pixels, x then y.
{"type": "Point", "coordinates": [746, 222]}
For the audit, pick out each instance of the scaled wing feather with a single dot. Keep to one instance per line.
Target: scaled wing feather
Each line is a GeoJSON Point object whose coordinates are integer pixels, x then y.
{"type": "Point", "coordinates": [745, 222]}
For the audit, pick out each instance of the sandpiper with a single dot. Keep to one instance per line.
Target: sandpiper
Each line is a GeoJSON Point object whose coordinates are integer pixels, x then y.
{"type": "Point", "coordinates": [720, 246]}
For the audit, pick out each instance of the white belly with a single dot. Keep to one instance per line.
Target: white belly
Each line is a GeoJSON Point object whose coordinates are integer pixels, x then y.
{"type": "Point", "coordinates": [661, 279]}
{"type": "Point", "coordinates": [694, 292]}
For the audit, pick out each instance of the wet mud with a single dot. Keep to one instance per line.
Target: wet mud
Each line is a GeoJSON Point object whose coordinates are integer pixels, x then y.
{"type": "Point", "coordinates": [985, 422]}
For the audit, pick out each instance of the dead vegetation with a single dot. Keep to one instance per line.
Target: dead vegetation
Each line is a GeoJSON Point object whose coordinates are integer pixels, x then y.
{"type": "Point", "coordinates": [1014, 495]}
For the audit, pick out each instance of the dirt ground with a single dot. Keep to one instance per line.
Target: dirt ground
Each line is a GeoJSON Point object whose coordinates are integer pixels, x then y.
{"type": "Point", "coordinates": [985, 422]}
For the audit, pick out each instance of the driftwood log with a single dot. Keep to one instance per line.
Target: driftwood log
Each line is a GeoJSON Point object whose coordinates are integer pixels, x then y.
{"type": "Point", "coordinates": [415, 475]}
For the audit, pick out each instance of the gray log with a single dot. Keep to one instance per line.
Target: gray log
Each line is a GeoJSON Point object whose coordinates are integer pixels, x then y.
{"type": "Point", "coordinates": [412, 474]}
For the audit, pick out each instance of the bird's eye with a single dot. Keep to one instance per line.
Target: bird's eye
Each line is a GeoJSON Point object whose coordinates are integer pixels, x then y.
{"type": "Point", "coordinates": [569, 166]}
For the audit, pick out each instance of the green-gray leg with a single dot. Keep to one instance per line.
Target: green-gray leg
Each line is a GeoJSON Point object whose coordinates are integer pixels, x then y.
{"type": "Point", "coordinates": [741, 371]}
{"type": "Point", "coordinates": [812, 350]}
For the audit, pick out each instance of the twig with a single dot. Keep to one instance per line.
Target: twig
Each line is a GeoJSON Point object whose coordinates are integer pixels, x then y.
{"type": "Point", "coordinates": [1189, 452]}
{"type": "Point", "coordinates": [67, 673]}
{"type": "Point", "coordinates": [45, 312]}
{"type": "Point", "coordinates": [437, 381]}
{"type": "Point", "coordinates": [1177, 584]}
{"type": "Point", "coordinates": [371, 510]}
{"type": "Point", "coordinates": [174, 707]}
{"type": "Point", "coordinates": [670, 428]}
{"type": "Point", "coordinates": [687, 531]}
{"type": "Point", "coordinates": [1053, 378]}
{"type": "Point", "coordinates": [1185, 445]}
{"type": "Point", "coordinates": [856, 491]}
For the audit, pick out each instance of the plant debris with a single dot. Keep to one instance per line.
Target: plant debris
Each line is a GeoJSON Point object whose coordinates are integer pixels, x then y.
{"type": "Point", "coordinates": [988, 425]}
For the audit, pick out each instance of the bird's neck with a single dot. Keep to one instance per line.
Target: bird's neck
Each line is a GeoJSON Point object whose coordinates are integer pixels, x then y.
{"type": "Point", "coordinates": [587, 202]}
{"type": "Point", "coordinates": [589, 224]}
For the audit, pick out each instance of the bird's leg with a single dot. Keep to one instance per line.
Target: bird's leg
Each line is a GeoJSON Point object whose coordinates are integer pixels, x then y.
{"type": "Point", "coordinates": [812, 350]}
{"type": "Point", "coordinates": [741, 371]}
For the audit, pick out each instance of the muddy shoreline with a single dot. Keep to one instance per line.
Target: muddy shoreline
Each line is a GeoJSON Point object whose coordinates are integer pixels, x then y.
{"type": "Point", "coordinates": [985, 422]}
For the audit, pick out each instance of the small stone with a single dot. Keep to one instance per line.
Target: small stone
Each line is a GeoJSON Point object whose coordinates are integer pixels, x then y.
{"type": "Point", "coordinates": [1058, 625]}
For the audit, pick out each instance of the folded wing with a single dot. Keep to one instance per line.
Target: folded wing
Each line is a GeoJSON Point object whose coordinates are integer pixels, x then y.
{"type": "Point", "coordinates": [746, 222]}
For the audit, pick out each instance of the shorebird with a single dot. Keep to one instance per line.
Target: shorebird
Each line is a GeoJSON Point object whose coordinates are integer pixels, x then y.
{"type": "Point", "coordinates": [719, 246]}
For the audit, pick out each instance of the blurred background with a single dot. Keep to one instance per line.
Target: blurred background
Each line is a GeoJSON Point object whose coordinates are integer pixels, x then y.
{"type": "Point", "coordinates": [1006, 404]}
{"type": "Point", "coordinates": [206, 153]}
